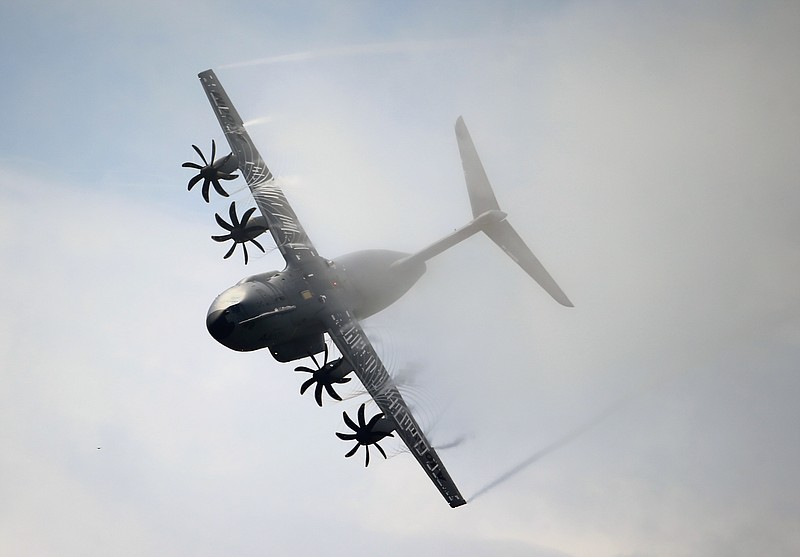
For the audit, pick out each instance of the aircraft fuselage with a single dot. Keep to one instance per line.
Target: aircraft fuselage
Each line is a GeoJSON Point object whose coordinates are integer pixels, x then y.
{"type": "Point", "coordinates": [280, 310]}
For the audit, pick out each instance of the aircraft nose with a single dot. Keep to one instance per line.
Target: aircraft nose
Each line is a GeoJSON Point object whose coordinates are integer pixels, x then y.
{"type": "Point", "coordinates": [219, 325]}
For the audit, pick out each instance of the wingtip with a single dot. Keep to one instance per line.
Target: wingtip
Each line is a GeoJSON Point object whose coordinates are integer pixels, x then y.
{"type": "Point", "coordinates": [562, 299]}
{"type": "Point", "coordinates": [556, 293]}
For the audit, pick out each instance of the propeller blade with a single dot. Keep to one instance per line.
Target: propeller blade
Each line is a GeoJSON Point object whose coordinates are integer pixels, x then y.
{"type": "Point", "coordinates": [199, 152]}
{"type": "Point", "coordinates": [350, 423]}
{"type": "Point", "coordinates": [334, 395]}
{"type": "Point", "coordinates": [194, 180]}
{"type": "Point", "coordinates": [233, 216]}
{"type": "Point", "coordinates": [222, 223]}
{"type": "Point", "coordinates": [218, 188]}
{"type": "Point", "coordinates": [361, 423]}
{"type": "Point", "coordinates": [246, 216]}
{"type": "Point", "coordinates": [259, 246]}
{"type": "Point", "coordinates": [304, 387]}
{"type": "Point", "coordinates": [318, 394]}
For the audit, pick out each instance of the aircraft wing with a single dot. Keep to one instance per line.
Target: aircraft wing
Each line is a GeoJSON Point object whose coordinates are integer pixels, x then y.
{"type": "Point", "coordinates": [284, 226]}
{"type": "Point", "coordinates": [354, 345]}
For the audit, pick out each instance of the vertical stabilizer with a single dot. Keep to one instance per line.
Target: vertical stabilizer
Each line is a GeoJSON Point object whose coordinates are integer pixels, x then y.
{"type": "Point", "coordinates": [481, 196]}
{"type": "Point", "coordinates": [482, 199]}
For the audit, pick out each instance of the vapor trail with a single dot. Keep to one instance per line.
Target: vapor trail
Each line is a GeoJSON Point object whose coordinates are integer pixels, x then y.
{"type": "Point", "coordinates": [352, 50]}
{"type": "Point", "coordinates": [451, 444]}
{"type": "Point", "coordinates": [256, 121]}
{"type": "Point", "coordinates": [572, 435]}
{"type": "Point", "coordinates": [547, 450]}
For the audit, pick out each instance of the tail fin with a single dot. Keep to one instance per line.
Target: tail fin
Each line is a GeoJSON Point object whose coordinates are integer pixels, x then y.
{"type": "Point", "coordinates": [481, 196]}
{"type": "Point", "coordinates": [482, 199]}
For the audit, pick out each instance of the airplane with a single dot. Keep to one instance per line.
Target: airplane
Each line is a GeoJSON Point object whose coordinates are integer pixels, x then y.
{"type": "Point", "coordinates": [291, 311]}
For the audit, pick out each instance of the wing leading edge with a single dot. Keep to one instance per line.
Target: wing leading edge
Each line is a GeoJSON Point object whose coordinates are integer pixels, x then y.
{"type": "Point", "coordinates": [354, 345]}
{"type": "Point", "coordinates": [286, 230]}
{"type": "Point", "coordinates": [342, 326]}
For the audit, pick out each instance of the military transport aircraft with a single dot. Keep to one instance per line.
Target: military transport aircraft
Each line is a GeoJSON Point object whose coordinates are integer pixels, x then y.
{"type": "Point", "coordinates": [290, 311]}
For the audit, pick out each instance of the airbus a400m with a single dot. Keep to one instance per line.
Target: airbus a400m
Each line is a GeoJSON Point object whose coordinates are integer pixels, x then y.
{"type": "Point", "coordinates": [291, 311]}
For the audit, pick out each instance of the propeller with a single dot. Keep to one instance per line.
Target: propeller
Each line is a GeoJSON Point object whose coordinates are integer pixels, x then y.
{"type": "Point", "coordinates": [326, 376]}
{"type": "Point", "coordinates": [212, 172]}
{"type": "Point", "coordinates": [366, 433]}
{"type": "Point", "coordinates": [240, 231]}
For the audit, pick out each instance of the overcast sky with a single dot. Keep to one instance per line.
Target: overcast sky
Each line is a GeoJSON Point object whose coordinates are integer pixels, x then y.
{"type": "Point", "coordinates": [648, 152]}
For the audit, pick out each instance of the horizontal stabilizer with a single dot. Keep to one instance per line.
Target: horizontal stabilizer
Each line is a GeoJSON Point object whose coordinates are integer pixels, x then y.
{"type": "Point", "coordinates": [507, 238]}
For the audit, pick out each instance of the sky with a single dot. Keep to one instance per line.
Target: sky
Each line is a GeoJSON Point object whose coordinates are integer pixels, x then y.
{"type": "Point", "coordinates": [647, 151]}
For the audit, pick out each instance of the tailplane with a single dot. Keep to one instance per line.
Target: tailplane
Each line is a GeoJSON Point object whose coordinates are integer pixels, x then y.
{"type": "Point", "coordinates": [482, 199]}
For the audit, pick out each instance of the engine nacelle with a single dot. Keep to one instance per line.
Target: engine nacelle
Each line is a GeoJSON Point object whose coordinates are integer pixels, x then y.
{"type": "Point", "coordinates": [231, 164]}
